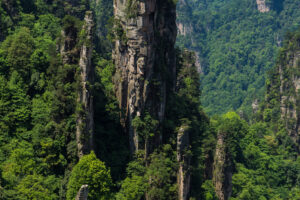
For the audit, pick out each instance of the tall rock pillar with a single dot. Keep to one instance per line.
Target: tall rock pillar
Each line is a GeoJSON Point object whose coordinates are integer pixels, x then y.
{"type": "Point", "coordinates": [76, 51]}
{"type": "Point", "coordinates": [144, 57]}
{"type": "Point", "coordinates": [184, 160]}
{"type": "Point", "coordinates": [85, 115]}
{"type": "Point", "coordinates": [222, 169]}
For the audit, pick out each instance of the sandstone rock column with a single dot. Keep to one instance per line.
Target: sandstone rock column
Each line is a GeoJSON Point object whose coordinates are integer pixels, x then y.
{"type": "Point", "coordinates": [184, 159]}
{"type": "Point", "coordinates": [262, 6]}
{"type": "Point", "coordinates": [83, 193]}
{"type": "Point", "coordinates": [85, 115]}
{"type": "Point", "coordinates": [289, 95]}
{"type": "Point", "coordinates": [144, 57]}
{"type": "Point", "coordinates": [222, 169]}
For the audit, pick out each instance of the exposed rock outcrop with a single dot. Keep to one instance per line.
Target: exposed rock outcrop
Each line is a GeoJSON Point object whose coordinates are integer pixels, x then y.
{"type": "Point", "coordinates": [85, 118]}
{"type": "Point", "coordinates": [184, 159]}
{"type": "Point", "coordinates": [184, 11]}
{"type": "Point", "coordinates": [187, 70]}
{"type": "Point", "coordinates": [83, 193]}
{"type": "Point", "coordinates": [283, 90]}
{"type": "Point", "coordinates": [255, 106]}
{"type": "Point", "coordinates": [262, 6]}
{"type": "Point", "coordinates": [289, 94]}
{"type": "Point", "coordinates": [222, 169]}
{"type": "Point", "coordinates": [184, 29]}
{"type": "Point", "coordinates": [76, 50]}
{"type": "Point", "coordinates": [144, 57]}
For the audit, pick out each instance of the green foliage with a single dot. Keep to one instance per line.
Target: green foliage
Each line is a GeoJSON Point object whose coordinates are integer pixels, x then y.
{"type": "Point", "coordinates": [157, 180]}
{"type": "Point", "coordinates": [131, 8]}
{"type": "Point", "coordinates": [117, 32]}
{"type": "Point", "coordinates": [71, 24]}
{"type": "Point", "coordinates": [103, 10]}
{"type": "Point", "coordinates": [37, 106]}
{"type": "Point", "coordinates": [162, 172]}
{"type": "Point", "coordinates": [38, 101]}
{"type": "Point", "coordinates": [209, 189]}
{"type": "Point", "coordinates": [38, 187]}
{"type": "Point", "coordinates": [136, 183]}
{"type": "Point", "coordinates": [237, 46]}
{"type": "Point", "coordinates": [47, 25]}
{"type": "Point", "coordinates": [92, 172]}
{"type": "Point", "coordinates": [145, 126]}
{"type": "Point", "coordinates": [106, 70]}
{"type": "Point", "coordinates": [110, 140]}
{"type": "Point", "coordinates": [17, 50]}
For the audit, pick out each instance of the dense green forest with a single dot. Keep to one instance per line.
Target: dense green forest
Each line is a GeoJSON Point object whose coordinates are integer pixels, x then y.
{"type": "Point", "coordinates": [186, 155]}
{"type": "Point", "coordinates": [237, 45]}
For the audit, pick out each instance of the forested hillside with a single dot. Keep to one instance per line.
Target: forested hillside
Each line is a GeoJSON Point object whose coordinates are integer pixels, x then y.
{"type": "Point", "coordinates": [98, 103]}
{"type": "Point", "coordinates": [59, 106]}
{"type": "Point", "coordinates": [237, 45]}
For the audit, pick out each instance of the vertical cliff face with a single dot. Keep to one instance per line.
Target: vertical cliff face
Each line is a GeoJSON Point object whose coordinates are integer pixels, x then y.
{"type": "Point", "coordinates": [262, 6]}
{"type": "Point", "coordinates": [289, 94]}
{"type": "Point", "coordinates": [85, 118]}
{"type": "Point", "coordinates": [184, 159]}
{"type": "Point", "coordinates": [222, 169]}
{"type": "Point", "coordinates": [144, 57]}
{"type": "Point", "coordinates": [283, 96]}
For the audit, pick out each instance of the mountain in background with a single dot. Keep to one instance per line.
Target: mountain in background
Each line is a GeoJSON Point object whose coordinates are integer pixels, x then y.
{"type": "Point", "coordinates": [237, 42]}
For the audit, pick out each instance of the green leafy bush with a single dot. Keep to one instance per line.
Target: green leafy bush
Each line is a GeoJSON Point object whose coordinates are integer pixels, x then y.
{"type": "Point", "coordinates": [92, 172]}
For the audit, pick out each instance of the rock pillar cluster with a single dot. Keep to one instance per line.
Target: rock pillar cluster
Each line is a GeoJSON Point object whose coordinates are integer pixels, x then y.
{"type": "Point", "coordinates": [144, 57]}
{"type": "Point", "coordinates": [222, 169]}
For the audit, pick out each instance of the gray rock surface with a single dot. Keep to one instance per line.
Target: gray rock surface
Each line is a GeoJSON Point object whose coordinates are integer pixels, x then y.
{"type": "Point", "coordinates": [290, 95]}
{"type": "Point", "coordinates": [262, 6]}
{"type": "Point", "coordinates": [144, 58]}
{"type": "Point", "coordinates": [83, 193]}
{"type": "Point", "coordinates": [184, 160]}
{"type": "Point", "coordinates": [222, 169]}
{"type": "Point", "coordinates": [85, 117]}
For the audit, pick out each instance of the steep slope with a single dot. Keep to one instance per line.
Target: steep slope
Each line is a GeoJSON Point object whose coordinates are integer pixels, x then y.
{"type": "Point", "coordinates": [261, 159]}
{"type": "Point", "coordinates": [237, 45]}
{"type": "Point", "coordinates": [283, 88]}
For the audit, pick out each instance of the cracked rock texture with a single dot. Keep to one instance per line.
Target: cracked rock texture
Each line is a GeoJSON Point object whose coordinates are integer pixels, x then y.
{"type": "Point", "coordinates": [144, 57]}
{"type": "Point", "coordinates": [85, 118]}
{"type": "Point", "coordinates": [70, 52]}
